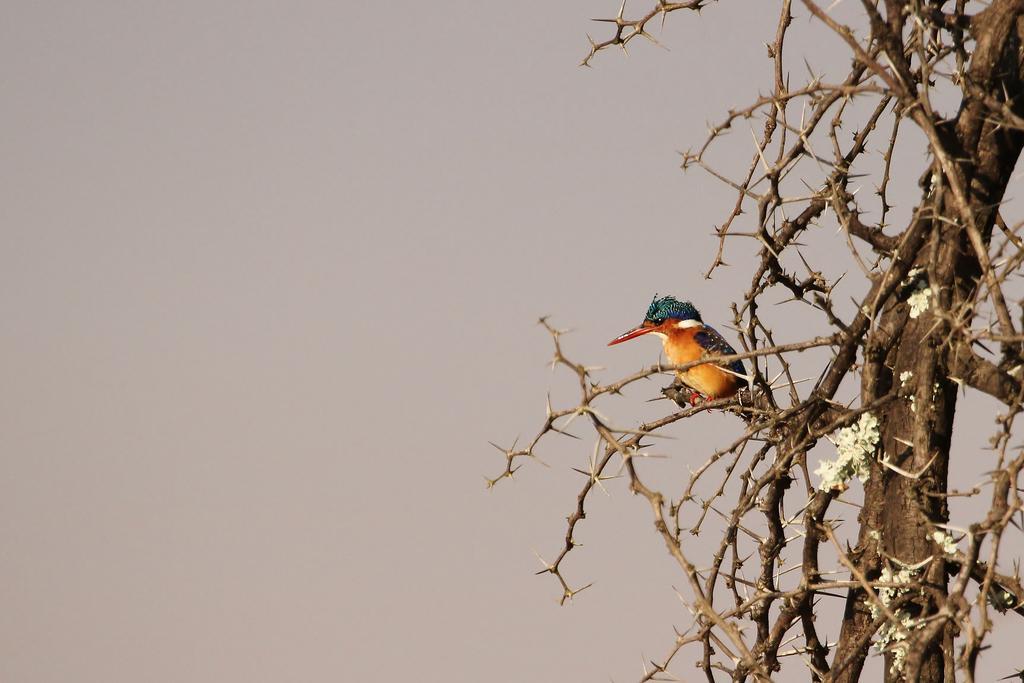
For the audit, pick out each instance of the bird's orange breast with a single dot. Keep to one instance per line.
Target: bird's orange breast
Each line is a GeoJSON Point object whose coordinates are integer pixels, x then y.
{"type": "Point", "coordinates": [682, 347]}
{"type": "Point", "coordinates": [711, 380]}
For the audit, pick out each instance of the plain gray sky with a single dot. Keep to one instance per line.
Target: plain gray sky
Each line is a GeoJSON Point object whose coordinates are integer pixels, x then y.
{"type": "Point", "coordinates": [269, 277]}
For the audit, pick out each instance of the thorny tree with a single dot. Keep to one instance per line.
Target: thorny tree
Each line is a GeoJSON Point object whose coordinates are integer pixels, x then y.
{"type": "Point", "coordinates": [931, 325]}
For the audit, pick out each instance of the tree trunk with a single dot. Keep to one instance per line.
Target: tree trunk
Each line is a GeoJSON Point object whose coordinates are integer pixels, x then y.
{"type": "Point", "coordinates": [900, 511]}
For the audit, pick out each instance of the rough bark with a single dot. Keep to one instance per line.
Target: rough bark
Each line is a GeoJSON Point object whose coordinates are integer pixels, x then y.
{"type": "Point", "coordinates": [900, 512]}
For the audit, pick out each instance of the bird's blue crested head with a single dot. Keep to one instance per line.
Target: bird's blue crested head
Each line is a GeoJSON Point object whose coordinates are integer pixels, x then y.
{"type": "Point", "coordinates": [667, 307]}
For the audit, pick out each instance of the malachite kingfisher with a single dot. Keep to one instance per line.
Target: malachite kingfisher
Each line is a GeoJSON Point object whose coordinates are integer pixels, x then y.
{"type": "Point", "coordinates": [686, 338]}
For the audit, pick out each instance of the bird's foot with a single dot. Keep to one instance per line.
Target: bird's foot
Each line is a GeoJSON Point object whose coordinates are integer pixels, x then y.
{"type": "Point", "coordinates": [682, 395]}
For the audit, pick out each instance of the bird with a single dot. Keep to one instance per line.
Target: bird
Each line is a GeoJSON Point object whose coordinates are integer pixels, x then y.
{"type": "Point", "coordinates": [686, 338]}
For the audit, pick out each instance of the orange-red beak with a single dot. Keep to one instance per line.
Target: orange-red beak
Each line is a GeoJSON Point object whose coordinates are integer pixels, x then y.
{"type": "Point", "coordinates": [633, 333]}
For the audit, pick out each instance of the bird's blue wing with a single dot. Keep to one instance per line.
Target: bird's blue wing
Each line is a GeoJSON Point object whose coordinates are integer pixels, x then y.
{"type": "Point", "coordinates": [715, 344]}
